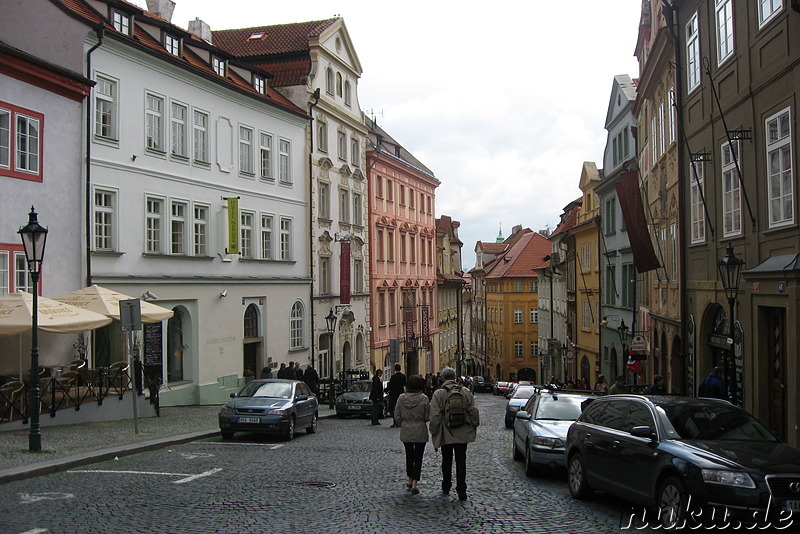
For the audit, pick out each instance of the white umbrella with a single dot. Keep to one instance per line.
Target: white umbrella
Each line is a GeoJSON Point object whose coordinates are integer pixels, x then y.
{"type": "Point", "coordinates": [106, 302]}
{"type": "Point", "coordinates": [16, 314]}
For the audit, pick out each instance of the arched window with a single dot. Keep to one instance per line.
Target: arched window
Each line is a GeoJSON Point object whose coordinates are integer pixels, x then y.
{"type": "Point", "coordinates": [329, 81]}
{"type": "Point", "coordinates": [347, 95]}
{"type": "Point", "coordinates": [296, 325]}
{"type": "Point", "coordinates": [251, 321]}
{"type": "Point", "coordinates": [338, 84]}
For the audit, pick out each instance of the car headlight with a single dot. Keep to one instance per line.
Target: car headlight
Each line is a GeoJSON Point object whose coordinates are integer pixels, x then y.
{"type": "Point", "coordinates": [728, 478]}
{"type": "Point", "coordinates": [280, 411]}
{"type": "Point", "coordinates": [340, 399]}
{"type": "Point", "coordinates": [543, 441]}
{"type": "Point", "coordinates": [225, 409]}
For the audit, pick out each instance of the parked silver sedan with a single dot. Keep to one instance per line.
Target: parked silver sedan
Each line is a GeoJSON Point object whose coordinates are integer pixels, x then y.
{"type": "Point", "coordinates": [540, 428]}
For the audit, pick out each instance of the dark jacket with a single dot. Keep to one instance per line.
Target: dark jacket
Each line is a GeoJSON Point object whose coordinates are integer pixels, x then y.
{"type": "Point", "coordinates": [311, 378]}
{"type": "Point", "coordinates": [376, 392]}
{"type": "Point", "coordinates": [712, 386]}
{"type": "Point", "coordinates": [656, 389]}
{"type": "Point", "coordinates": [397, 384]}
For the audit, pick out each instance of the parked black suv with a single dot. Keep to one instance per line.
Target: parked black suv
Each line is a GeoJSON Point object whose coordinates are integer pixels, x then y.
{"type": "Point", "coordinates": [483, 385]}
{"type": "Point", "coordinates": [686, 457]}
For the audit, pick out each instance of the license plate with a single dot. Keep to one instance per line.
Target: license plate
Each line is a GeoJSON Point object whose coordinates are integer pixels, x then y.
{"type": "Point", "coordinates": [354, 407]}
{"type": "Point", "coordinates": [248, 420]}
{"type": "Point", "coordinates": [793, 506]}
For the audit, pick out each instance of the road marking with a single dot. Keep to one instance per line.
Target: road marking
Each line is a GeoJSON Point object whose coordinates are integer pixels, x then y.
{"type": "Point", "coordinates": [35, 531]}
{"type": "Point", "coordinates": [235, 443]}
{"type": "Point", "coordinates": [28, 498]}
{"type": "Point", "coordinates": [194, 455]}
{"type": "Point", "coordinates": [187, 477]}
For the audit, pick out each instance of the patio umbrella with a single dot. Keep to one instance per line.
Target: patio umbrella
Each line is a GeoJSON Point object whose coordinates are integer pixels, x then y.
{"type": "Point", "coordinates": [16, 314]}
{"type": "Point", "coordinates": [106, 302]}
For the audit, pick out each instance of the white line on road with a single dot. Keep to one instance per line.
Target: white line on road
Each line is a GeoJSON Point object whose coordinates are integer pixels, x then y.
{"type": "Point", "coordinates": [187, 477]}
{"type": "Point", "coordinates": [35, 531]}
{"type": "Point", "coordinates": [27, 498]}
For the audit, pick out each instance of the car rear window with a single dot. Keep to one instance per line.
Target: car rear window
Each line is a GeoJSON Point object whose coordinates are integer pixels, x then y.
{"type": "Point", "coordinates": [360, 387]}
{"type": "Point", "coordinates": [559, 408]}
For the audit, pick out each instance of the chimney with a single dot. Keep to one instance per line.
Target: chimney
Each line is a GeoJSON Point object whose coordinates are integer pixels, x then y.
{"type": "Point", "coordinates": [201, 29]}
{"type": "Point", "coordinates": [161, 8]}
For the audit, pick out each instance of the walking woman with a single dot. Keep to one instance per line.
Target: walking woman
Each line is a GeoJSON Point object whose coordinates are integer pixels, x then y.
{"type": "Point", "coordinates": [412, 414]}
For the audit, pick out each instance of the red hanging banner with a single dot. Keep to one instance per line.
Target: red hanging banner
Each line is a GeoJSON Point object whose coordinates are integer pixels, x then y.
{"type": "Point", "coordinates": [344, 274]}
{"type": "Point", "coordinates": [644, 257]}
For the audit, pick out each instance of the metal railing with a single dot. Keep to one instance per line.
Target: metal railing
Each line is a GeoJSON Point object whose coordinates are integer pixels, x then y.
{"type": "Point", "coordinates": [68, 390]}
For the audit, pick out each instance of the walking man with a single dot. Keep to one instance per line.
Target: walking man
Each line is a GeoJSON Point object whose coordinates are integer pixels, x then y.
{"type": "Point", "coordinates": [454, 420]}
{"type": "Point", "coordinates": [397, 386]}
{"type": "Point", "coordinates": [376, 396]}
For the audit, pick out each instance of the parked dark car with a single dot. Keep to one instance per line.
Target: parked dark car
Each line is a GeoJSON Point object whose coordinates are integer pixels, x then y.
{"type": "Point", "coordinates": [684, 456]}
{"type": "Point", "coordinates": [540, 428]}
{"type": "Point", "coordinates": [483, 385]}
{"type": "Point", "coordinates": [516, 402]}
{"type": "Point", "coordinates": [270, 406]}
{"type": "Point", "coordinates": [355, 401]}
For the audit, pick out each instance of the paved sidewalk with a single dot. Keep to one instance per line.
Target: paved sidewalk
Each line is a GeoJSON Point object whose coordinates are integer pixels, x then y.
{"type": "Point", "coordinates": [67, 446]}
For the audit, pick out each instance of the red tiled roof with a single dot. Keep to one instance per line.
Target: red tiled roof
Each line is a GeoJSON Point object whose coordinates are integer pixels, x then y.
{"type": "Point", "coordinates": [492, 248]}
{"type": "Point", "coordinates": [567, 222]}
{"type": "Point", "coordinates": [528, 253]}
{"type": "Point", "coordinates": [272, 40]}
{"type": "Point", "coordinates": [189, 59]}
{"type": "Point", "coordinates": [286, 72]}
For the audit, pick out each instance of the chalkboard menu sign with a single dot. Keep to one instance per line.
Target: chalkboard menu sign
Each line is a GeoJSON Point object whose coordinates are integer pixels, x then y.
{"type": "Point", "coordinates": [153, 354]}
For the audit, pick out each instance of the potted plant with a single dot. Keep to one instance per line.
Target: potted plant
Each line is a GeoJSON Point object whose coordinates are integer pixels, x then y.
{"type": "Point", "coordinates": [266, 372]}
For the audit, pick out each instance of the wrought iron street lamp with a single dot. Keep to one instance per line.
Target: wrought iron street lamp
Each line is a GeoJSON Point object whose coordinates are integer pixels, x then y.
{"type": "Point", "coordinates": [730, 271]}
{"type": "Point", "coordinates": [622, 329]}
{"type": "Point", "coordinates": [34, 238]}
{"type": "Point", "coordinates": [330, 320]}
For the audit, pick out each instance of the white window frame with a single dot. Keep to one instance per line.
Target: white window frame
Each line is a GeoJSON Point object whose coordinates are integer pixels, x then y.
{"type": "Point", "coordinates": [692, 53]}
{"type": "Point", "coordinates": [767, 10]}
{"type": "Point", "coordinates": [358, 219]}
{"type": "Point", "coordinates": [286, 252]}
{"type": "Point", "coordinates": [154, 225]}
{"type": "Point", "coordinates": [200, 225]}
{"type": "Point", "coordinates": [28, 144]}
{"type": "Point", "coordinates": [267, 236]}
{"type": "Point", "coordinates": [731, 190]}
{"type": "Point", "coordinates": [661, 129]}
{"type": "Point", "coordinates": [121, 22]}
{"type": "Point", "coordinates": [104, 220]}
{"type": "Point", "coordinates": [518, 349]}
{"type": "Point", "coordinates": [297, 326]}
{"type": "Point", "coordinates": [178, 226]}
{"type": "Point", "coordinates": [358, 276]}
{"type": "Point", "coordinates": [673, 246]}
{"type": "Point", "coordinates": [671, 98]}
{"type": "Point", "coordinates": [341, 142]}
{"type": "Point", "coordinates": [322, 136]}
{"type": "Point", "coordinates": [200, 136]}
{"type": "Point", "coordinates": [154, 122]}
{"type": "Point", "coordinates": [348, 99]}
{"type": "Point", "coordinates": [265, 157]}
{"type": "Point", "coordinates": [780, 190]}
{"type": "Point", "coordinates": [324, 194]}
{"type": "Point", "coordinates": [246, 149]}
{"type": "Point", "coordinates": [324, 275]}
{"type": "Point", "coordinates": [285, 160]}
{"type": "Point", "coordinates": [355, 152]}
{"type": "Point", "coordinates": [533, 315]}
{"type": "Point", "coordinates": [247, 221]}
{"type": "Point", "coordinates": [724, 18]}
{"type": "Point", "coordinates": [106, 111]}
{"type": "Point", "coordinates": [6, 137]}
{"type": "Point", "coordinates": [586, 315]}
{"type": "Point", "coordinates": [329, 81]}
{"type": "Point", "coordinates": [218, 65]}
{"type": "Point", "coordinates": [22, 278]}
{"type": "Point", "coordinates": [259, 84]}
{"type": "Point", "coordinates": [172, 45]}
{"type": "Point", "coordinates": [179, 129]}
{"type": "Point", "coordinates": [344, 205]}
{"type": "Point", "coordinates": [517, 315]}
{"type": "Point", "coordinates": [698, 214]}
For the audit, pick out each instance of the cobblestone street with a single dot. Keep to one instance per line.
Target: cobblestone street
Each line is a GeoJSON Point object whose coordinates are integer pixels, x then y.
{"type": "Point", "coordinates": [347, 478]}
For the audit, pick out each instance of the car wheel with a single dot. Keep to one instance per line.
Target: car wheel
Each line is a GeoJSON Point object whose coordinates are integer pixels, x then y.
{"type": "Point", "coordinates": [576, 476]}
{"type": "Point", "coordinates": [516, 454]}
{"type": "Point", "coordinates": [672, 503]}
{"type": "Point", "coordinates": [289, 435]}
{"type": "Point", "coordinates": [530, 467]}
{"type": "Point", "coordinates": [509, 423]}
{"type": "Point", "coordinates": [313, 428]}
{"type": "Point", "coordinates": [227, 435]}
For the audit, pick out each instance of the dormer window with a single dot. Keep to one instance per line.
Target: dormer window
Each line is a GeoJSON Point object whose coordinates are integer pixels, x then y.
{"type": "Point", "coordinates": [121, 22]}
{"type": "Point", "coordinates": [172, 45]}
{"type": "Point", "coordinates": [260, 85]}
{"type": "Point", "coordinates": [218, 65]}
{"type": "Point", "coordinates": [257, 35]}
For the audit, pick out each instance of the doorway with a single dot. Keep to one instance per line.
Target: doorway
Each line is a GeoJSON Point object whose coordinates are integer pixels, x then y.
{"type": "Point", "coordinates": [251, 350]}
{"type": "Point", "coordinates": [774, 348]}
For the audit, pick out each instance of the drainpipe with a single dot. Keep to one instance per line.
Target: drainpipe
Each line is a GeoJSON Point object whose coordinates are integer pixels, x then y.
{"type": "Point", "coordinates": [311, 224]}
{"type": "Point", "coordinates": [100, 31]}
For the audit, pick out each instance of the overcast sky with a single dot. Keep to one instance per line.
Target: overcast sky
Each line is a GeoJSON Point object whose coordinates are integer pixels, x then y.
{"type": "Point", "coordinates": [503, 104]}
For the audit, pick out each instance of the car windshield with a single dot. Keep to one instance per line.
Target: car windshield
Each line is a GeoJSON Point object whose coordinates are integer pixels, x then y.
{"type": "Point", "coordinates": [277, 390]}
{"type": "Point", "coordinates": [360, 387]}
{"type": "Point", "coordinates": [523, 393]}
{"type": "Point", "coordinates": [559, 408]}
{"type": "Point", "coordinates": [719, 422]}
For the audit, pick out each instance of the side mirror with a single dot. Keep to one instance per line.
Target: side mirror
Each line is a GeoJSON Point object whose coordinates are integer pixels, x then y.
{"type": "Point", "coordinates": [301, 398]}
{"type": "Point", "coordinates": [233, 395]}
{"type": "Point", "coordinates": [643, 432]}
{"type": "Point", "coordinates": [523, 415]}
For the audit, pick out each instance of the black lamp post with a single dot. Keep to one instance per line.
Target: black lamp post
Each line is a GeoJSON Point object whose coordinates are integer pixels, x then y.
{"type": "Point", "coordinates": [730, 270]}
{"type": "Point", "coordinates": [34, 237]}
{"type": "Point", "coordinates": [330, 320]}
